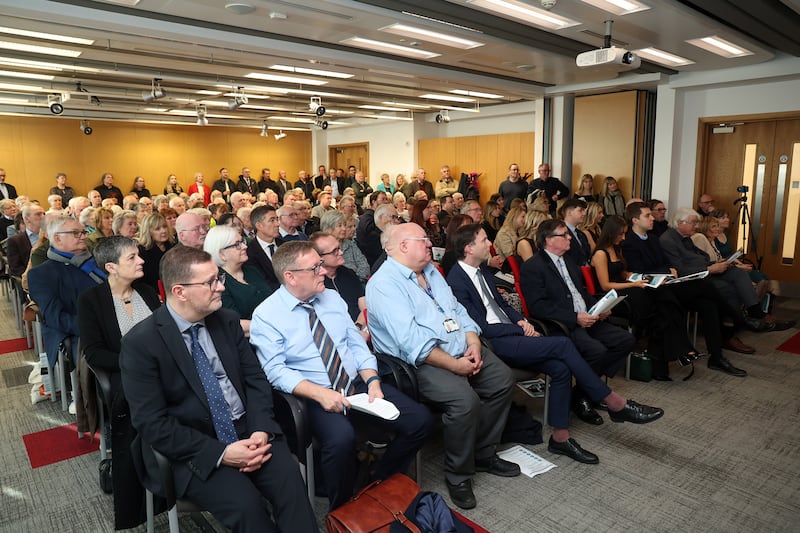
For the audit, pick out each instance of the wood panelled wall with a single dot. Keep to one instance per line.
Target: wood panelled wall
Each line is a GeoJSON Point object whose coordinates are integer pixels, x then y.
{"type": "Point", "coordinates": [32, 150]}
{"type": "Point", "coordinates": [488, 155]}
{"type": "Point", "coordinates": [604, 139]}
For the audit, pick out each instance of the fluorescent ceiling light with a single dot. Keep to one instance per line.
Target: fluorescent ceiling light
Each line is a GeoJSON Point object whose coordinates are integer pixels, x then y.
{"type": "Point", "coordinates": [14, 101]}
{"type": "Point", "coordinates": [387, 117]}
{"type": "Point", "coordinates": [390, 48]}
{"type": "Point", "coordinates": [47, 36]}
{"type": "Point", "coordinates": [43, 65]}
{"type": "Point", "coordinates": [15, 74]}
{"type": "Point", "coordinates": [382, 108]}
{"type": "Point", "coordinates": [526, 13]}
{"type": "Point", "coordinates": [254, 97]}
{"type": "Point", "coordinates": [193, 113]}
{"type": "Point", "coordinates": [312, 71]}
{"type": "Point", "coordinates": [412, 106]}
{"type": "Point", "coordinates": [22, 88]}
{"type": "Point", "coordinates": [431, 36]}
{"type": "Point", "coordinates": [209, 93]}
{"type": "Point", "coordinates": [719, 46]}
{"type": "Point", "coordinates": [317, 93]}
{"type": "Point", "coordinates": [284, 79]}
{"type": "Point", "coordinates": [464, 109]}
{"type": "Point", "coordinates": [8, 45]}
{"type": "Point", "coordinates": [618, 7]}
{"type": "Point", "coordinates": [212, 103]}
{"type": "Point", "coordinates": [155, 110]}
{"type": "Point", "coordinates": [438, 21]}
{"type": "Point", "coordinates": [476, 94]}
{"type": "Point", "coordinates": [301, 120]}
{"type": "Point", "coordinates": [662, 57]}
{"type": "Point", "coordinates": [256, 88]}
{"type": "Point", "coordinates": [447, 98]}
{"type": "Point", "coordinates": [261, 107]}
{"type": "Point", "coordinates": [123, 2]}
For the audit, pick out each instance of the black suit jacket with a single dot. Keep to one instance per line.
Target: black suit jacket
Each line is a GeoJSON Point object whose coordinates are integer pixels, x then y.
{"type": "Point", "coordinates": [546, 292]}
{"type": "Point", "coordinates": [307, 186]}
{"type": "Point", "coordinates": [168, 404]}
{"type": "Point", "coordinates": [579, 252]}
{"type": "Point", "coordinates": [19, 252]}
{"type": "Point", "coordinates": [644, 256]}
{"type": "Point", "coordinates": [243, 186]}
{"type": "Point", "coordinates": [466, 293]}
{"type": "Point", "coordinates": [341, 184]}
{"type": "Point", "coordinates": [257, 257]}
{"type": "Point", "coordinates": [12, 192]}
{"type": "Point", "coordinates": [270, 184]}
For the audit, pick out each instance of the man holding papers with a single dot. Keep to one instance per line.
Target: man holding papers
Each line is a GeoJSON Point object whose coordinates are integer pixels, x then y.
{"type": "Point", "coordinates": [553, 289]}
{"type": "Point", "coordinates": [308, 346]}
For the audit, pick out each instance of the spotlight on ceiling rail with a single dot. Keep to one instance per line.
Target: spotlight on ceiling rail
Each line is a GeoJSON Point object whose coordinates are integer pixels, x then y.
{"type": "Point", "coordinates": [239, 98]}
{"type": "Point", "coordinates": [155, 91]}
{"type": "Point", "coordinates": [315, 106]}
{"type": "Point", "coordinates": [443, 116]}
{"type": "Point", "coordinates": [322, 124]}
{"type": "Point", "coordinates": [201, 115]}
{"type": "Point", "coordinates": [264, 132]}
{"type": "Point", "coordinates": [55, 101]}
{"type": "Point", "coordinates": [279, 136]}
{"type": "Point", "coordinates": [86, 128]}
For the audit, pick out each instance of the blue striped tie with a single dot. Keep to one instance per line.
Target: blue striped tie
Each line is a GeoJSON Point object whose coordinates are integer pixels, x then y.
{"type": "Point", "coordinates": [340, 381]}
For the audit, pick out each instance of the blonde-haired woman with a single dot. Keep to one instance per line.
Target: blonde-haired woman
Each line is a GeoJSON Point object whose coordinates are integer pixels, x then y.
{"type": "Point", "coordinates": [172, 187]}
{"type": "Point", "coordinates": [103, 220]}
{"type": "Point", "coordinates": [613, 201]}
{"type": "Point", "coordinates": [586, 191]}
{"type": "Point", "coordinates": [526, 245]}
{"type": "Point", "coordinates": [155, 239]}
{"type": "Point", "coordinates": [505, 243]}
{"type": "Point", "coordinates": [591, 225]}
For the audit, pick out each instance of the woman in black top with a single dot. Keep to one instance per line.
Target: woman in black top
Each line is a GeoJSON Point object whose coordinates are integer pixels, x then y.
{"type": "Point", "coordinates": [66, 193]}
{"type": "Point", "coordinates": [155, 239]}
{"type": "Point", "coordinates": [139, 189]}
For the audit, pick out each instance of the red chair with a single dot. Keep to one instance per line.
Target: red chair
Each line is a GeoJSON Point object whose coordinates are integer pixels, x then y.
{"type": "Point", "coordinates": [514, 265]}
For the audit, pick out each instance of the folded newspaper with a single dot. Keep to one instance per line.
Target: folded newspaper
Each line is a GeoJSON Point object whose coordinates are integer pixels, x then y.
{"type": "Point", "coordinates": [606, 303]}
{"type": "Point", "coordinates": [690, 277]}
{"type": "Point", "coordinates": [653, 280]}
{"type": "Point", "coordinates": [735, 255]}
{"type": "Point", "coordinates": [535, 388]}
{"type": "Point", "coordinates": [530, 463]}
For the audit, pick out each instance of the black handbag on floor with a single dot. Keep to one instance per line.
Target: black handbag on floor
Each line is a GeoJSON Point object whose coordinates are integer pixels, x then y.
{"type": "Point", "coordinates": [105, 476]}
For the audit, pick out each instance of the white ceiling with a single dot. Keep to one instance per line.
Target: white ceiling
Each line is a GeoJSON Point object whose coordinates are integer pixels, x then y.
{"type": "Point", "coordinates": [202, 45]}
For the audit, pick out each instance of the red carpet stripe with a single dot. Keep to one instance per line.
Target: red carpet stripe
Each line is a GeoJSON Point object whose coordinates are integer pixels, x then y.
{"type": "Point", "coordinates": [57, 444]}
{"type": "Point", "coordinates": [792, 345]}
{"type": "Point", "coordinates": [13, 345]}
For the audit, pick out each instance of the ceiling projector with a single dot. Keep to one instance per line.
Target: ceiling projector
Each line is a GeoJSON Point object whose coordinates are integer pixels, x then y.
{"type": "Point", "coordinates": [608, 56]}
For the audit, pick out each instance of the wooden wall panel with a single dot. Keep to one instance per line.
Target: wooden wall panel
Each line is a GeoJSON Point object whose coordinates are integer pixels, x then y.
{"type": "Point", "coordinates": [488, 155]}
{"type": "Point", "coordinates": [604, 139]}
{"type": "Point", "coordinates": [32, 150]}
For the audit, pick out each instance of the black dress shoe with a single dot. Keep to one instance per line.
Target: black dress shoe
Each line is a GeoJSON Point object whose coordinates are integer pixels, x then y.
{"type": "Point", "coordinates": [781, 325]}
{"type": "Point", "coordinates": [688, 358]}
{"type": "Point", "coordinates": [759, 326]}
{"type": "Point", "coordinates": [573, 450]}
{"type": "Point", "coordinates": [498, 467]}
{"type": "Point", "coordinates": [723, 365]}
{"type": "Point", "coordinates": [584, 410]}
{"type": "Point", "coordinates": [636, 413]}
{"type": "Point", "coordinates": [461, 494]}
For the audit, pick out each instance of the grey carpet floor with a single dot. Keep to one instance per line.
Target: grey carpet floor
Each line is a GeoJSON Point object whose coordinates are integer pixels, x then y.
{"type": "Point", "coordinates": [724, 458]}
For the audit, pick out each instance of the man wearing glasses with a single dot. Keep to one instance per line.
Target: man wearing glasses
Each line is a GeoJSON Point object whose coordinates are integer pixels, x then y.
{"type": "Point", "coordinates": [56, 284]}
{"type": "Point", "coordinates": [191, 230]}
{"type": "Point", "coordinates": [414, 316]}
{"type": "Point", "coordinates": [550, 187]}
{"type": "Point", "coordinates": [199, 397]}
{"type": "Point", "coordinates": [288, 219]}
{"type": "Point", "coordinates": [308, 346]}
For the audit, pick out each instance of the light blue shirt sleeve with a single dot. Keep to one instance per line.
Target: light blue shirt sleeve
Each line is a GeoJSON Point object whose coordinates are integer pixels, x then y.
{"type": "Point", "coordinates": [281, 335]}
{"type": "Point", "coordinates": [406, 322]}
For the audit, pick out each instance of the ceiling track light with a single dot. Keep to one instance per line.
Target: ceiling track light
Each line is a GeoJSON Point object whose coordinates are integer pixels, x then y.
{"type": "Point", "coordinates": [279, 136]}
{"type": "Point", "coordinates": [443, 116]}
{"type": "Point", "coordinates": [264, 132]}
{"type": "Point", "coordinates": [56, 102]}
{"type": "Point", "coordinates": [315, 106]}
{"type": "Point", "coordinates": [155, 91]}
{"type": "Point", "coordinates": [322, 124]}
{"type": "Point", "coordinates": [239, 98]}
{"type": "Point", "coordinates": [85, 128]}
{"type": "Point", "coordinates": [201, 115]}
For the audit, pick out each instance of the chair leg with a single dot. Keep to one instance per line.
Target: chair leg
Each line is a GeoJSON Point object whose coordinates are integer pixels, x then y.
{"type": "Point", "coordinates": [174, 527]}
{"type": "Point", "coordinates": [102, 415]}
{"type": "Point", "coordinates": [150, 511]}
{"type": "Point", "coordinates": [62, 380]}
{"type": "Point", "coordinates": [310, 486]}
{"type": "Point", "coordinates": [546, 400]}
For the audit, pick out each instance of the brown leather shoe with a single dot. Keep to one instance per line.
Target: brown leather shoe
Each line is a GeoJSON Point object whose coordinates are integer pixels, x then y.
{"type": "Point", "coordinates": [735, 344]}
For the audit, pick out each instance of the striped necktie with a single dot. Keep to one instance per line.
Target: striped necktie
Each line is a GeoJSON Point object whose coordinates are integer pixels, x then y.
{"type": "Point", "coordinates": [340, 381]}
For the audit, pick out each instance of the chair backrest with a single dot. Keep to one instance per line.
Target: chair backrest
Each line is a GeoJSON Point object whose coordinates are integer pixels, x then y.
{"type": "Point", "coordinates": [514, 265]}
{"type": "Point", "coordinates": [590, 279]}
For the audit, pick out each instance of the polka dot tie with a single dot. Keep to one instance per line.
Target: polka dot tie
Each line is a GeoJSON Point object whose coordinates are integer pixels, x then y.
{"type": "Point", "coordinates": [220, 411]}
{"type": "Point", "coordinates": [340, 381]}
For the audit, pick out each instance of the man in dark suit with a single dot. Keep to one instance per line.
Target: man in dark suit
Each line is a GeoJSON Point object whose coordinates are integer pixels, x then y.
{"type": "Point", "coordinates": [224, 185]}
{"type": "Point", "coordinates": [516, 342]}
{"type": "Point", "coordinates": [198, 395]}
{"type": "Point", "coordinates": [554, 289]}
{"type": "Point", "coordinates": [550, 187]}
{"type": "Point", "coordinates": [8, 210]}
{"type": "Point", "coordinates": [7, 191]}
{"type": "Point", "coordinates": [259, 252]}
{"type": "Point", "coordinates": [284, 185]}
{"type": "Point", "coordinates": [305, 182]}
{"type": "Point", "coordinates": [319, 179]}
{"type": "Point", "coordinates": [338, 185]}
{"type": "Point", "coordinates": [267, 183]}
{"type": "Point", "coordinates": [573, 213]}
{"type": "Point", "coordinates": [246, 183]}
{"type": "Point", "coordinates": [19, 246]}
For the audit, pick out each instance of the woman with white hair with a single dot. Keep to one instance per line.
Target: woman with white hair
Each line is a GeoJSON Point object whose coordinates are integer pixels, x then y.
{"type": "Point", "coordinates": [336, 223]}
{"type": "Point", "coordinates": [245, 287]}
{"type": "Point", "coordinates": [125, 223]}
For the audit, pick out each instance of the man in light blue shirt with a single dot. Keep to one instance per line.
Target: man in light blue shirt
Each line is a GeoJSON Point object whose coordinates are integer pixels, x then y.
{"type": "Point", "coordinates": [294, 361]}
{"type": "Point", "coordinates": [414, 316]}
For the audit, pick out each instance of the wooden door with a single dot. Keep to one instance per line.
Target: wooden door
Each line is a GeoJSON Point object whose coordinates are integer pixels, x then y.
{"type": "Point", "coordinates": [344, 155]}
{"type": "Point", "coordinates": [763, 156]}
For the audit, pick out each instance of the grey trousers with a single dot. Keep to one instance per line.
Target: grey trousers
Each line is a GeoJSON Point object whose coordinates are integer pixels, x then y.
{"type": "Point", "coordinates": [736, 287]}
{"type": "Point", "coordinates": [475, 411]}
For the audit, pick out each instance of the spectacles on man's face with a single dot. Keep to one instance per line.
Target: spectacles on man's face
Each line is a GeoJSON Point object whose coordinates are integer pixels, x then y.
{"type": "Point", "coordinates": [212, 284]}
{"type": "Point", "coordinates": [315, 269]}
{"type": "Point", "coordinates": [426, 240]}
{"type": "Point", "coordinates": [290, 215]}
{"type": "Point", "coordinates": [77, 233]}
{"type": "Point", "coordinates": [566, 235]}
{"type": "Point", "coordinates": [203, 228]}
{"type": "Point", "coordinates": [335, 251]}
{"type": "Point", "coordinates": [237, 244]}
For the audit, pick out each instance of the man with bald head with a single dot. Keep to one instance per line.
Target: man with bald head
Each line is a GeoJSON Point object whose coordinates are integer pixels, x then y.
{"type": "Point", "coordinates": [191, 230]}
{"type": "Point", "coordinates": [454, 372]}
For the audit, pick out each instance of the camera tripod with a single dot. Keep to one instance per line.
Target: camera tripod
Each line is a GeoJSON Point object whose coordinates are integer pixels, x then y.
{"type": "Point", "coordinates": [744, 210]}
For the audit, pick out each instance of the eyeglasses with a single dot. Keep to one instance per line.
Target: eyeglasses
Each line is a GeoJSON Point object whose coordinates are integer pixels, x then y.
{"type": "Point", "coordinates": [75, 233]}
{"type": "Point", "coordinates": [201, 229]}
{"type": "Point", "coordinates": [315, 269]}
{"type": "Point", "coordinates": [691, 222]}
{"type": "Point", "coordinates": [335, 251]}
{"type": "Point", "coordinates": [566, 235]}
{"type": "Point", "coordinates": [396, 218]}
{"type": "Point", "coordinates": [290, 215]}
{"type": "Point", "coordinates": [237, 244]}
{"type": "Point", "coordinates": [660, 209]}
{"type": "Point", "coordinates": [425, 239]}
{"type": "Point", "coordinates": [212, 284]}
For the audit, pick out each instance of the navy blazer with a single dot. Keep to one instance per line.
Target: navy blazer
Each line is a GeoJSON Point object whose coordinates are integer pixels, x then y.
{"type": "Point", "coordinates": [257, 257]}
{"type": "Point", "coordinates": [55, 287]}
{"type": "Point", "coordinates": [546, 292]}
{"type": "Point", "coordinates": [19, 253]}
{"type": "Point", "coordinates": [168, 404]}
{"type": "Point", "coordinates": [466, 293]}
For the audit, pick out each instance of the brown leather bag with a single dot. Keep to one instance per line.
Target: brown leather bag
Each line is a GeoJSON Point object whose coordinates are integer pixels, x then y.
{"type": "Point", "coordinates": [375, 508]}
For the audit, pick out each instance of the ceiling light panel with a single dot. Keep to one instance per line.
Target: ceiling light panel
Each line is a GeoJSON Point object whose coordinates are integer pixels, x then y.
{"type": "Point", "coordinates": [47, 50]}
{"type": "Point", "coordinates": [618, 7]}
{"type": "Point", "coordinates": [284, 79]}
{"type": "Point", "coordinates": [48, 36]}
{"type": "Point", "coordinates": [382, 108]}
{"type": "Point", "coordinates": [380, 46]}
{"type": "Point", "coordinates": [22, 88]}
{"type": "Point", "coordinates": [444, 39]}
{"type": "Point", "coordinates": [447, 98]}
{"type": "Point", "coordinates": [526, 13]}
{"type": "Point", "coordinates": [404, 104]}
{"type": "Point", "coordinates": [663, 58]}
{"type": "Point", "coordinates": [721, 47]}
{"type": "Point", "coordinates": [312, 72]}
{"type": "Point", "coordinates": [30, 76]}
{"type": "Point", "coordinates": [476, 94]}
